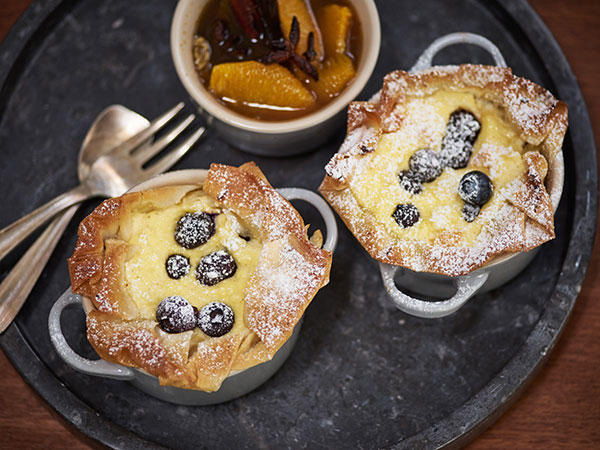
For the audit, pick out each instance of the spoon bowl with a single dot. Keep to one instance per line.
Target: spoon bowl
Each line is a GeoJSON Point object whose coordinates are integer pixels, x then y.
{"type": "Point", "coordinates": [113, 126]}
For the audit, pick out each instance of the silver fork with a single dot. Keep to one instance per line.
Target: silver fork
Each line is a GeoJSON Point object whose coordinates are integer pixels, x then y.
{"type": "Point", "coordinates": [111, 175]}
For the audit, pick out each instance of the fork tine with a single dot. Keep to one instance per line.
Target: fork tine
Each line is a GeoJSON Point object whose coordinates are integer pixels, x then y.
{"type": "Point", "coordinates": [138, 139]}
{"type": "Point", "coordinates": [167, 161]}
{"type": "Point", "coordinates": [145, 154]}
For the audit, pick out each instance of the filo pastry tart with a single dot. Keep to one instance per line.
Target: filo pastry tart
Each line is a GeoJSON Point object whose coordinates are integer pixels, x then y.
{"type": "Point", "coordinates": [191, 283]}
{"type": "Point", "coordinates": [445, 169]}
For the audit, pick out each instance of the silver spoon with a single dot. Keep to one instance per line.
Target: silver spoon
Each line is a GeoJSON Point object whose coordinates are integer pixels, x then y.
{"type": "Point", "coordinates": [112, 127]}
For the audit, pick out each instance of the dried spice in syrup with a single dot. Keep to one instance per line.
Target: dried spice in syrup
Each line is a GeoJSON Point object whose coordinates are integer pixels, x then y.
{"type": "Point", "coordinates": [248, 43]}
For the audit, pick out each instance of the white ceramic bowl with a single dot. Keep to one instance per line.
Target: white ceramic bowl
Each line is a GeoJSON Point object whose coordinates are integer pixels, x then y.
{"type": "Point", "coordinates": [236, 384]}
{"type": "Point", "coordinates": [283, 138]}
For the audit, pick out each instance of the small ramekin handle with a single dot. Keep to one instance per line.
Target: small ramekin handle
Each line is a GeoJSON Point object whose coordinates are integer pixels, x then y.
{"type": "Point", "coordinates": [466, 285]}
{"type": "Point", "coordinates": [321, 206]}
{"type": "Point", "coordinates": [99, 368]}
{"type": "Point", "coordinates": [425, 61]}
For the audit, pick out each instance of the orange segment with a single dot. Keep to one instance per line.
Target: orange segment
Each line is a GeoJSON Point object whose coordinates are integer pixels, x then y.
{"type": "Point", "coordinates": [306, 19]}
{"type": "Point", "coordinates": [253, 82]}
{"type": "Point", "coordinates": [334, 22]}
{"type": "Point", "coordinates": [334, 74]}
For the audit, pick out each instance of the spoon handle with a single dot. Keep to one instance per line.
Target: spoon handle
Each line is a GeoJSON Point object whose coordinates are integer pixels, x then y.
{"type": "Point", "coordinates": [19, 282]}
{"type": "Point", "coordinates": [14, 233]}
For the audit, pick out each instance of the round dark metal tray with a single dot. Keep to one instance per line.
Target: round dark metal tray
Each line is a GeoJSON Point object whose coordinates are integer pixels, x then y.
{"type": "Point", "coordinates": [363, 375]}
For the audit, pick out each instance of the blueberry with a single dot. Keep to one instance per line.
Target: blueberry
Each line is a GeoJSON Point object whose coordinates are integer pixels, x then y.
{"type": "Point", "coordinates": [461, 133]}
{"type": "Point", "coordinates": [194, 229]}
{"type": "Point", "coordinates": [406, 215]}
{"type": "Point", "coordinates": [215, 267]}
{"type": "Point", "coordinates": [457, 155]}
{"type": "Point", "coordinates": [410, 181]}
{"type": "Point", "coordinates": [426, 164]}
{"type": "Point", "coordinates": [475, 187]}
{"type": "Point", "coordinates": [176, 315]}
{"type": "Point", "coordinates": [466, 124]}
{"type": "Point", "coordinates": [216, 319]}
{"type": "Point", "coordinates": [470, 212]}
{"type": "Point", "coordinates": [177, 266]}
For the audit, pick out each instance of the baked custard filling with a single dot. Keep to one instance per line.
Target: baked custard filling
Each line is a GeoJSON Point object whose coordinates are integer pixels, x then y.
{"type": "Point", "coordinates": [151, 237]}
{"type": "Point", "coordinates": [497, 152]}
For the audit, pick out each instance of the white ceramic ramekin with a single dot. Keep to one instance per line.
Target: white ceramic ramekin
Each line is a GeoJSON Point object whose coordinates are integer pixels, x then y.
{"type": "Point", "coordinates": [283, 138]}
{"type": "Point", "coordinates": [236, 384]}
{"type": "Point", "coordinates": [452, 293]}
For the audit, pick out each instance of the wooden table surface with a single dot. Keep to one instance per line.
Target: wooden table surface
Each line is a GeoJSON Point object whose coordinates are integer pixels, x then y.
{"type": "Point", "coordinates": [561, 409]}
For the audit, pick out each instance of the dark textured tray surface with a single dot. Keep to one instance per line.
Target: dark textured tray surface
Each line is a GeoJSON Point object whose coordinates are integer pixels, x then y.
{"type": "Point", "coordinates": [363, 374]}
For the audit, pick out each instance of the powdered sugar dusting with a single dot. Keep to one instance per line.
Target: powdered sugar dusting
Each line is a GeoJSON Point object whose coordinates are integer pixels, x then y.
{"type": "Point", "coordinates": [284, 282]}
{"type": "Point", "coordinates": [107, 208]}
{"type": "Point", "coordinates": [358, 142]}
{"type": "Point", "coordinates": [503, 233]}
{"type": "Point", "coordinates": [440, 217]}
{"type": "Point", "coordinates": [175, 314]}
{"type": "Point", "coordinates": [135, 338]}
{"type": "Point", "coordinates": [535, 234]}
{"type": "Point", "coordinates": [530, 105]}
{"type": "Point", "coordinates": [232, 241]}
{"type": "Point", "coordinates": [490, 157]}
{"type": "Point", "coordinates": [104, 298]}
{"type": "Point", "coordinates": [210, 355]}
{"type": "Point", "coordinates": [252, 199]}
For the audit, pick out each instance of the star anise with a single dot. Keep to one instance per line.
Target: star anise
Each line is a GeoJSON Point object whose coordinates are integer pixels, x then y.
{"type": "Point", "coordinates": [284, 51]}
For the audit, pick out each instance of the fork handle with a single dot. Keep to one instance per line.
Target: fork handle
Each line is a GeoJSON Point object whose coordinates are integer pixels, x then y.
{"type": "Point", "coordinates": [14, 233]}
{"type": "Point", "coordinates": [17, 285]}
